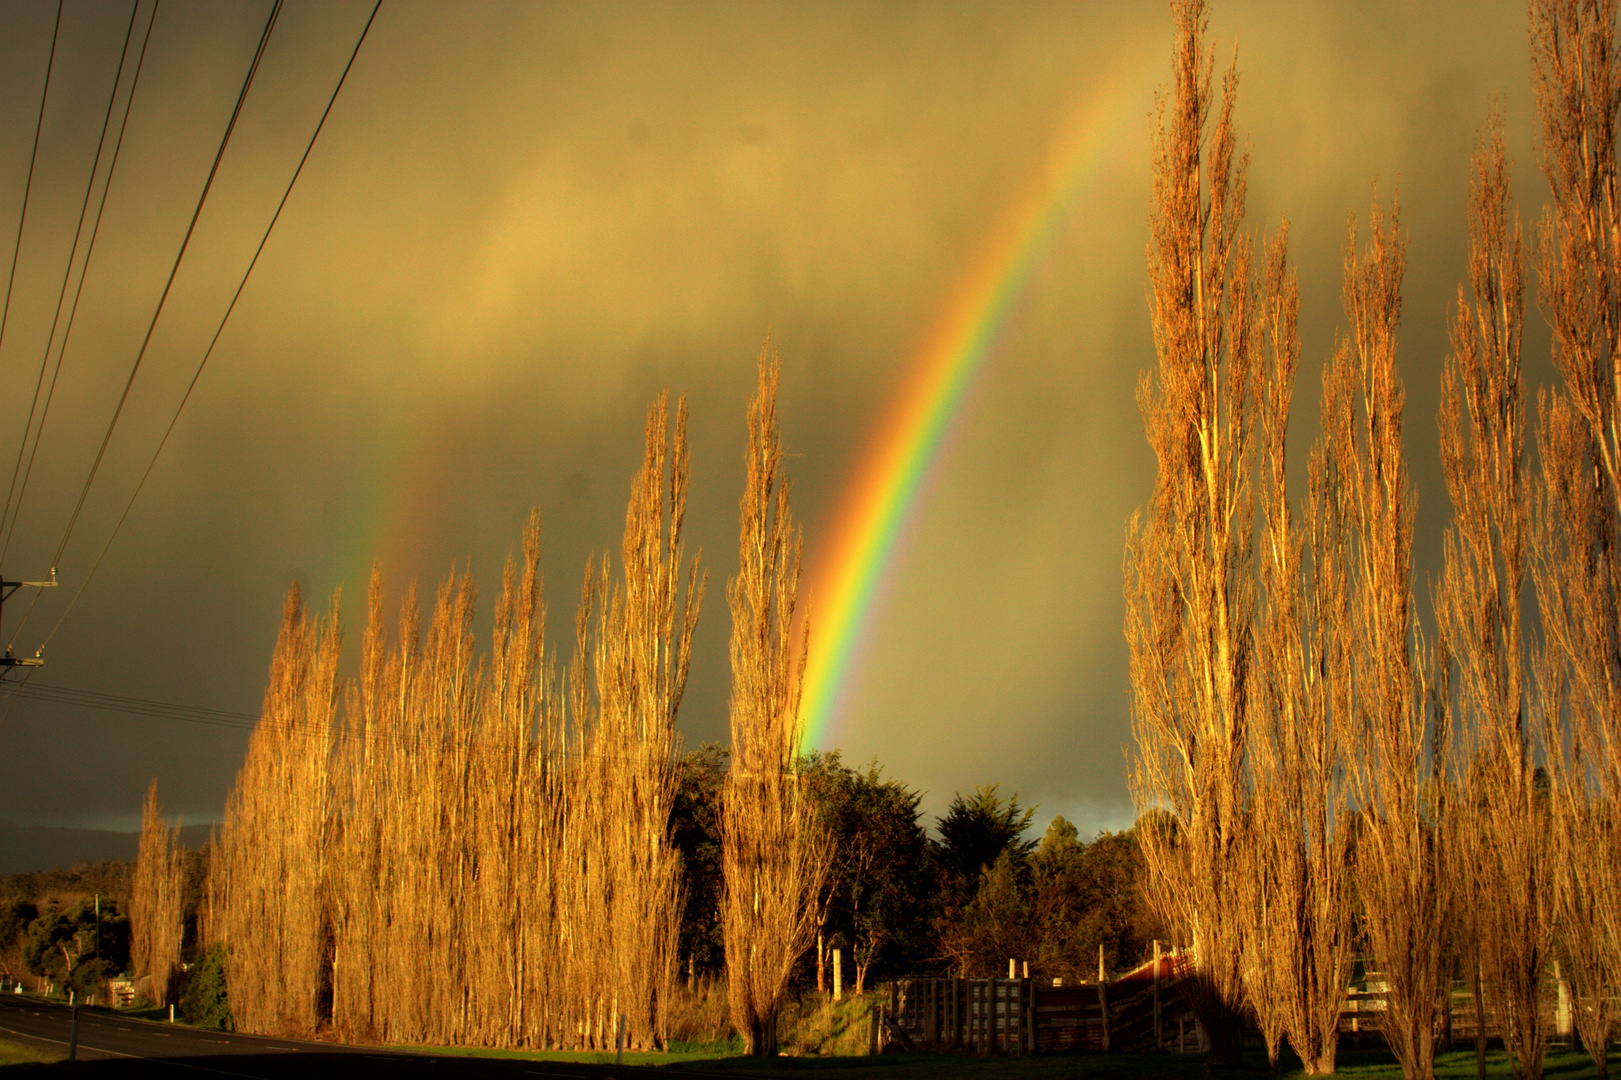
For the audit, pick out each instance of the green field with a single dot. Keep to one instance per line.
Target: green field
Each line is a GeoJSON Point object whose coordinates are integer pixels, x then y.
{"type": "Point", "coordinates": [1353, 1064]}
{"type": "Point", "coordinates": [12, 1053]}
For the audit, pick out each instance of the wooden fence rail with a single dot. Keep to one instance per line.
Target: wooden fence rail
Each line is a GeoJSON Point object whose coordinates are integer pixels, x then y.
{"type": "Point", "coordinates": [1141, 1011]}
{"type": "Point", "coordinates": [1020, 1016]}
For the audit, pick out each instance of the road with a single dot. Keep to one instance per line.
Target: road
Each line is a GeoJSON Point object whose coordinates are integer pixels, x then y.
{"type": "Point", "coordinates": [111, 1045]}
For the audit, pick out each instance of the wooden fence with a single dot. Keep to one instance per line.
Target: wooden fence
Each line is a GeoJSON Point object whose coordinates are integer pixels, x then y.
{"type": "Point", "coordinates": [1143, 1010]}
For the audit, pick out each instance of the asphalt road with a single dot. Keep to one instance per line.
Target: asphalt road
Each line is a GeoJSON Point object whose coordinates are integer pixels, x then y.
{"type": "Point", "coordinates": [112, 1045]}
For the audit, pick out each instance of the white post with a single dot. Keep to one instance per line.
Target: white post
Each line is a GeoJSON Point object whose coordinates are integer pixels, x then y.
{"type": "Point", "coordinates": [1159, 1038]}
{"type": "Point", "coordinates": [838, 976]}
{"type": "Point", "coordinates": [171, 1012]}
{"type": "Point", "coordinates": [1011, 967]}
{"type": "Point", "coordinates": [1562, 1012]}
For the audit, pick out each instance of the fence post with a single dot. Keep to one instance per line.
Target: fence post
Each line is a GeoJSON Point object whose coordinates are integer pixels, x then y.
{"type": "Point", "coordinates": [976, 1016]}
{"type": "Point", "coordinates": [970, 1004]}
{"type": "Point", "coordinates": [1030, 1012]}
{"type": "Point", "coordinates": [987, 1002]}
{"type": "Point", "coordinates": [1159, 1035]}
{"type": "Point", "coordinates": [1103, 1009]}
{"type": "Point", "coordinates": [838, 977]}
{"type": "Point", "coordinates": [1562, 1011]}
{"type": "Point", "coordinates": [1015, 1017]}
{"type": "Point", "coordinates": [992, 1042]}
{"type": "Point", "coordinates": [932, 1032]}
{"type": "Point", "coordinates": [1012, 1038]}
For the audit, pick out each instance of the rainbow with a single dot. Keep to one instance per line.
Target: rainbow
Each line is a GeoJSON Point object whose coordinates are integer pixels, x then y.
{"type": "Point", "coordinates": [905, 452]}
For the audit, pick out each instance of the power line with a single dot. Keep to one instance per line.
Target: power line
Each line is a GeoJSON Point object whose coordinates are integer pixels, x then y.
{"type": "Point", "coordinates": [89, 699]}
{"type": "Point", "coordinates": [242, 721]}
{"type": "Point", "coordinates": [90, 252]}
{"type": "Point", "coordinates": [7, 515]}
{"type": "Point", "coordinates": [217, 330]}
{"type": "Point", "coordinates": [28, 185]}
{"type": "Point", "coordinates": [174, 271]}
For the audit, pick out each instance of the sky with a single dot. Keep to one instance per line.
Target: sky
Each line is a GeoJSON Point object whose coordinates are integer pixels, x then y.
{"type": "Point", "coordinates": [522, 222]}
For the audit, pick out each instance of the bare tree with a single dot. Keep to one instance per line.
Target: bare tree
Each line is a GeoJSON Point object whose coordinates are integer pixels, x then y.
{"type": "Point", "coordinates": [1502, 821]}
{"type": "Point", "coordinates": [1274, 872]}
{"type": "Point", "coordinates": [460, 861]}
{"type": "Point", "coordinates": [276, 833]}
{"type": "Point", "coordinates": [628, 679]}
{"type": "Point", "coordinates": [1189, 578]}
{"type": "Point", "coordinates": [1402, 763]}
{"type": "Point", "coordinates": [774, 850]}
{"type": "Point", "coordinates": [155, 916]}
{"type": "Point", "coordinates": [1298, 915]}
{"type": "Point", "coordinates": [1576, 518]}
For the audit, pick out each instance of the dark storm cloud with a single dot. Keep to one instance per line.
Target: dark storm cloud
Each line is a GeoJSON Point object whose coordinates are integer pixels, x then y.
{"type": "Point", "coordinates": [523, 221]}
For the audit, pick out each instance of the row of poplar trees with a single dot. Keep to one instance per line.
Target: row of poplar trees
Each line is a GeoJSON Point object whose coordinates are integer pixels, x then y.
{"type": "Point", "coordinates": [452, 848]}
{"type": "Point", "coordinates": [1325, 779]}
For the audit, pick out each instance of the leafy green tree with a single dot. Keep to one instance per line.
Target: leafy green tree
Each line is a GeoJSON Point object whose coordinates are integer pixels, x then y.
{"type": "Point", "coordinates": [695, 831]}
{"type": "Point", "coordinates": [977, 938]}
{"type": "Point", "coordinates": [204, 997]}
{"type": "Point", "coordinates": [64, 946]}
{"type": "Point", "coordinates": [1087, 896]}
{"type": "Point", "coordinates": [977, 829]}
{"type": "Point", "coordinates": [15, 916]}
{"type": "Point", "coordinates": [1053, 907]}
{"type": "Point", "coordinates": [879, 891]}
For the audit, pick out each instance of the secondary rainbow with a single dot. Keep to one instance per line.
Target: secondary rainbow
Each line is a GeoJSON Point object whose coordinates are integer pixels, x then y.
{"type": "Point", "coordinates": [905, 452]}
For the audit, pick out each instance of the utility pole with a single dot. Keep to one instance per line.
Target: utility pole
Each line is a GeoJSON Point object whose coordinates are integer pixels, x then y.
{"type": "Point", "coordinates": [6, 589]}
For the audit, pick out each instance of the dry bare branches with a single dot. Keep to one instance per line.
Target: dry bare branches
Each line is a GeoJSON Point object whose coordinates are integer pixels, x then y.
{"type": "Point", "coordinates": [460, 862]}
{"type": "Point", "coordinates": [1402, 760]}
{"type": "Point", "coordinates": [774, 850]}
{"type": "Point", "coordinates": [1298, 914]}
{"type": "Point", "coordinates": [1189, 578]}
{"type": "Point", "coordinates": [1576, 516]}
{"type": "Point", "coordinates": [1498, 824]}
{"type": "Point", "coordinates": [155, 903]}
{"type": "Point", "coordinates": [275, 838]}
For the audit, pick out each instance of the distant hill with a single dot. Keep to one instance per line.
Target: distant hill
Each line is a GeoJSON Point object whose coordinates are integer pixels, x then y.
{"type": "Point", "coordinates": [24, 849]}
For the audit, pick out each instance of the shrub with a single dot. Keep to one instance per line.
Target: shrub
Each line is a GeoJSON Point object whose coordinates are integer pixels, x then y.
{"type": "Point", "coordinates": [204, 1000]}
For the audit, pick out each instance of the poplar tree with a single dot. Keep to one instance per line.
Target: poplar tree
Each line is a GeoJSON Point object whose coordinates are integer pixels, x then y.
{"type": "Point", "coordinates": [1500, 832]}
{"type": "Point", "coordinates": [276, 837]}
{"type": "Point", "coordinates": [1401, 762]}
{"type": "Point", "coordinates": [1190, 562]}
{"type": "Point", "coordinates": [155, 915]}
{"type": "Point", "coordinates": [1298, 924]}
{"type": "Point", "coordinates": [774, 849]}
{"type": "Point", "coordinates": [1576, 515]}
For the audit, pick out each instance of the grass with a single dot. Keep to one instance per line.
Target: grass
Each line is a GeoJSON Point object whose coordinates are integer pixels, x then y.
{"type": "Point", "coordinates": [156, 1013]}
{"type": "Point", "coordinates": [844, 1061]}
{"type": "Point", "coordinates": [1460, 1065]}
{"type": "Point", "coordinates": [14, 1053]}
{"type": "Point", "coordinates": [1353, 1064]}
{"type": "Point", "coordinates": [853, 1064]}
{"type": "Point", "coordinates": [584, 1057]}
